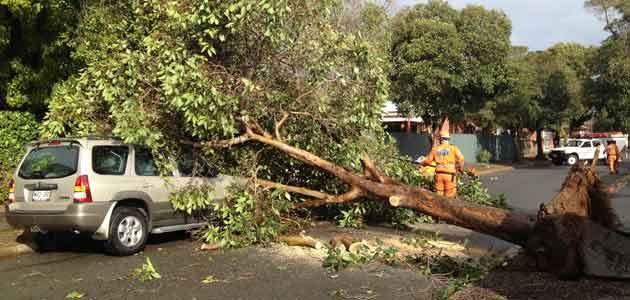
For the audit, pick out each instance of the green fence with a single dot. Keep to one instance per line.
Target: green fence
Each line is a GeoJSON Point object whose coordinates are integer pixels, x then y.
{"type": "Point", "coordinates": [419, 144]}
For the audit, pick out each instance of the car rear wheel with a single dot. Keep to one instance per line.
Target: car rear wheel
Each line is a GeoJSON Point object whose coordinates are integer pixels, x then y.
{"type": "Point", "coordinates": [572, 160]}
{"type": "Point", "coordinates": [128, 231]}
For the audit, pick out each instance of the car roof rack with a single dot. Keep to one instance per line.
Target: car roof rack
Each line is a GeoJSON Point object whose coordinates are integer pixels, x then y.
{"type": "Point", "coordinates": [74, 138]}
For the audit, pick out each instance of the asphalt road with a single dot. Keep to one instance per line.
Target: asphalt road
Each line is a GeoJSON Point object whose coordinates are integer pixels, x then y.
{"type": "Point", "coordinates": [275, 272]}
{"type": "Point", "coordinates": [526, 188]}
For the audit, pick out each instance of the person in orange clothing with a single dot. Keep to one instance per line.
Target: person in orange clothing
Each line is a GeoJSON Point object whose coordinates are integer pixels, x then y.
{"type": "Point", "coordinates": [612, 153]}
{"type": "Point", "coordinates": [448, 161]}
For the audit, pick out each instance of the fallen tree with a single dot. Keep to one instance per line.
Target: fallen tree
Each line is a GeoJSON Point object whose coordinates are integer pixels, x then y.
{"type": "Point", "coordinates": [573, 234]}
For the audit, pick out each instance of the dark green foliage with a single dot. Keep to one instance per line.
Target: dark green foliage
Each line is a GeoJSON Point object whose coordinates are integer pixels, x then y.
{"type": "Point", "coordinates": [16, 129]}
{"type": "Point", "coordinates": [35, 47]}
{"type": "Point", "coordinates": [246, 218]}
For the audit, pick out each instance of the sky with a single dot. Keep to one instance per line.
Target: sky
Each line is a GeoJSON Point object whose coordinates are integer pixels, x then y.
{"type": "Point", "coordinates": [539, 24]}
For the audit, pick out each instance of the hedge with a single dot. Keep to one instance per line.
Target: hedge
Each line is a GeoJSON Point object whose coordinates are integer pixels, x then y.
{"type": "Point", "coordinates": [16, 129]}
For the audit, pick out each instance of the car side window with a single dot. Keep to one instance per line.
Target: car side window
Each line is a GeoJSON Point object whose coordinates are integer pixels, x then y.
{"type": "Point", "coordinates": [192, 165]}
{"type": "Point", "coordinates": [586, 145]}
{"type": "Point", "coordinates": [145, 164]}
{"type": "Point", "coordinates": [110, 160]}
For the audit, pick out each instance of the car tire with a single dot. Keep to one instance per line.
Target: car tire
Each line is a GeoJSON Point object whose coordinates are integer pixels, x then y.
{"type": "Point", "coordinates": [128, 231]}
{"type": "Point", "coordinates": [573, 160]}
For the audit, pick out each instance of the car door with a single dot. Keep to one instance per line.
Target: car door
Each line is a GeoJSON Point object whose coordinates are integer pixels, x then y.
{"type": "Point", "coordinates": [195, 171]}
{"type": "Point", "coordinates": [157, 187]}
{"type": "Point", "coordinates": [586, 150]}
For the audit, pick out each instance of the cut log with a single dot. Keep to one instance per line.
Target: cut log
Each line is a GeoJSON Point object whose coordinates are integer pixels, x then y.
{"type": "Point", "coordinates": [342, 239]}
{"type": "Point", "coordinates": [300, 241]}
{"type": "Point", "coordinates": [210, 247]}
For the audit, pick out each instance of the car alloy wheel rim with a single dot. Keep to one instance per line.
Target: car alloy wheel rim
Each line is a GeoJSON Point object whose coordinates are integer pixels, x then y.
{"type": "Point", "coordinates": [572, 160]}
{"type": "Point", "coordinates": [130, 231]}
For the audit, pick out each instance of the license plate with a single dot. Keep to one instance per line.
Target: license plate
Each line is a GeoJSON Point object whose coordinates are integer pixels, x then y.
{"type": "Point", "coordinates": [41, 196]}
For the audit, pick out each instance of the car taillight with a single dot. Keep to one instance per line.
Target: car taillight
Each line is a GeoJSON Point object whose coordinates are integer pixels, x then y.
{"type": "Point", "coordinates": [11, 197]}
{"type": "Point", "coordinates": [82, 192]}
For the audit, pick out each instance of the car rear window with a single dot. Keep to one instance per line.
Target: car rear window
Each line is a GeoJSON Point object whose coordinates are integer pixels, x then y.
{"type": "Point", "coordinates": [110, 160]}
{"type": "Point", "coordinates": [50, 162]}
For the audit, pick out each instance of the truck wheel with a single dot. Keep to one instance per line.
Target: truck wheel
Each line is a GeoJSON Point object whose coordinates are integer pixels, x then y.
{"type": "Point", "coordinates": [128, 231]}
{"type": "Point", "coordinates": [572, 160]}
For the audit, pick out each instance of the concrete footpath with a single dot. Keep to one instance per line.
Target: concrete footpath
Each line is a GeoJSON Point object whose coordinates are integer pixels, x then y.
{"type": "Point", "coordinates": [13, 242]}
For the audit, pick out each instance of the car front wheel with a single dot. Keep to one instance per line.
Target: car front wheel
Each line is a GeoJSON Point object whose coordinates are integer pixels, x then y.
{"type": "Point", "coordinates": [128, 231]}
{"type": "Point", "coordinates": [572, 160]}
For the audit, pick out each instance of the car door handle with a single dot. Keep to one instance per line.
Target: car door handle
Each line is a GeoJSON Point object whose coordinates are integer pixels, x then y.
{"type": "Point", "coordinates": [147, 186]}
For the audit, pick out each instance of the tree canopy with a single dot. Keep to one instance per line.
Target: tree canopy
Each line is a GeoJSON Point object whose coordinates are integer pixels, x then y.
{"type": "Point", "coordinates": [446, 61]}
{"type": "Point", "coordinates": [164, 73]}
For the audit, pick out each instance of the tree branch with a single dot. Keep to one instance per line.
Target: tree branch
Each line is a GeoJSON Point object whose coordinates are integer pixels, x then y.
{"type": "Point", "coordinates": [351, 195]}
{"type": "Point", "coordinates": [279, 124]}
{"type": "Point", "coordinates": [320, 197]}
{"type": "Point", "coordinates": [292, 189]}
{"type": "Point", "coordinates": [220, 143]}
{"type": "Point", "coordinates": [373, 172]}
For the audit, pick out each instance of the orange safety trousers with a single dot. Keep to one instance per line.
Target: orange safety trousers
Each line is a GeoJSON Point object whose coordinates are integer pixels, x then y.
{"type": "Point", "coordinates": [612, 164]}
{"type": "Point", "coordinates": [446, 184]}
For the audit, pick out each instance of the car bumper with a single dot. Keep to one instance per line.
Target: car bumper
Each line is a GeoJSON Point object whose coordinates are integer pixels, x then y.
{"type": "Point", "coordinates": [84, 217]}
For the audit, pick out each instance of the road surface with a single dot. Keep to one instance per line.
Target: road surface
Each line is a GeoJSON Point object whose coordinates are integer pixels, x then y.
{"type": "Point", "coordinates": [274, 272]}
{"type": "Point", "coordinates": [526, 188]}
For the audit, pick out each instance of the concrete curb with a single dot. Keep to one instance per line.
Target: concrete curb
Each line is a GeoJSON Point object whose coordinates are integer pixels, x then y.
{"type": "Point", "coordinates": [15, 244]}
{"type": "Point", "coordinates": [494, 170]}
{"type": "Point", "coordinates": [15, 250]}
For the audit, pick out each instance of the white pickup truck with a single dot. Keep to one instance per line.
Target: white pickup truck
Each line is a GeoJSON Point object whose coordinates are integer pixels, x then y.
{"type": "Point", "coordinates": [582, 149]}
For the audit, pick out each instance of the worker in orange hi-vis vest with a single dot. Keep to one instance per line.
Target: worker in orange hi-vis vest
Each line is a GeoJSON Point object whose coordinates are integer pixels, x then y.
{"type": "Point", "coordinates": [448, 161]}
{"type": "Point", "coordinates": [612, 153]}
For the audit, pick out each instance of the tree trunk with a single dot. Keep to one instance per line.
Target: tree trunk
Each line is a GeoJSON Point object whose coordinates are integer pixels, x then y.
{"type": "Point", "coordinates": [511, 226]}
{"type": "Point", "coordinates": [517, 145]}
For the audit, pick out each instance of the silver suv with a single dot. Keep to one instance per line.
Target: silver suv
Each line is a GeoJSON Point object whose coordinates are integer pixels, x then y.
{"type": "Point", "coordinates": [103, 187]}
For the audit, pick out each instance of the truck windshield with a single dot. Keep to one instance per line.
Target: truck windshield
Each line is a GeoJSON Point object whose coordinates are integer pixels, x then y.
{"type": "Point", "coordinates": [50, 162]}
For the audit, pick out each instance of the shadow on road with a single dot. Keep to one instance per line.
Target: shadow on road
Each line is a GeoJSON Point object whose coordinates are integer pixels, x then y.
{"type": "Point", "coordinates": [77, 243]}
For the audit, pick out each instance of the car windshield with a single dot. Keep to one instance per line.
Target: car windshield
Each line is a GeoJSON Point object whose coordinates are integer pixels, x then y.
{"type": "Point", "coordinates": [573, 143]}
{"type": "Point", "coordinates": [50, 162]}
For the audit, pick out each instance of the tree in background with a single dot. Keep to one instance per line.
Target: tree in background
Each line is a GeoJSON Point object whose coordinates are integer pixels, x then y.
{"type": "Point", "coordinates": [546, 90]}
{"type": "Point", "coordinates": [35, 51]}
{"type": "Point", "coordinates": [611, 81]}
{"type": "Point", "coordinates": [448, 62]}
